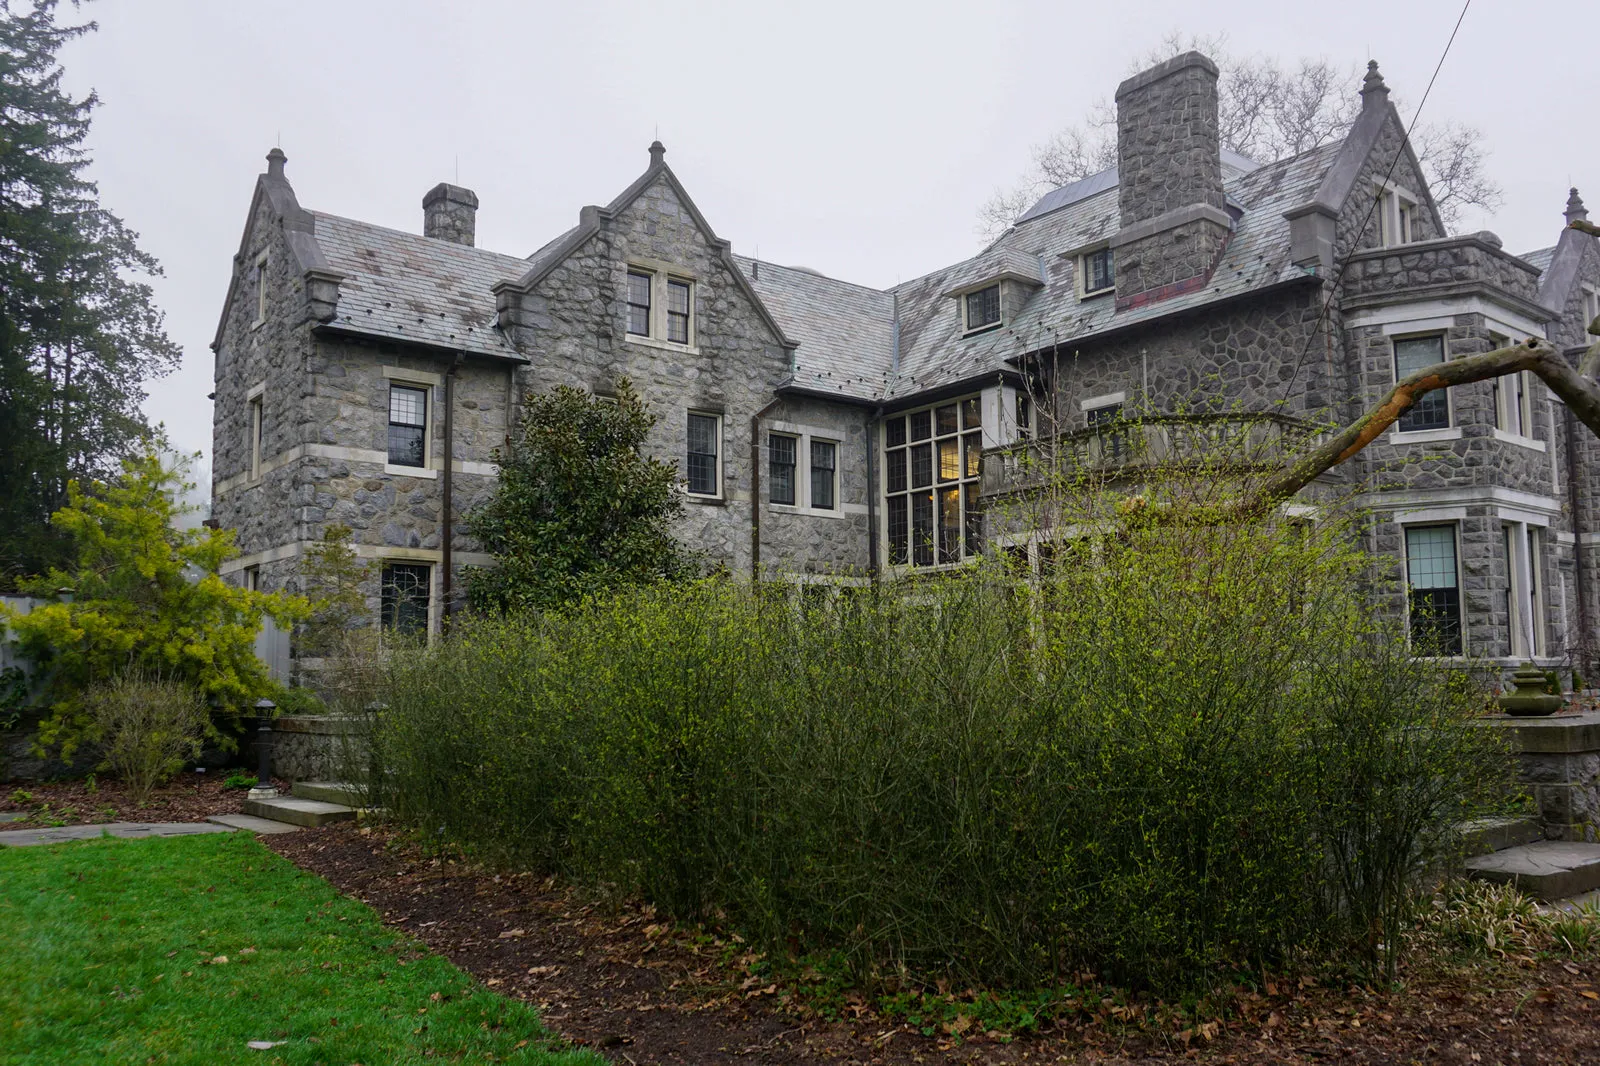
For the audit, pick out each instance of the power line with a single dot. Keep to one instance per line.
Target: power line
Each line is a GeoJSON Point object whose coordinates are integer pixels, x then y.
{"type": "Point", "coordinates": [1405, 140]}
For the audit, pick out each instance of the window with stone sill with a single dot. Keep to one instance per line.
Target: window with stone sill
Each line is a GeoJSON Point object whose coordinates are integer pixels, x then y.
{"type": "Point", "coordinates": [782, 459]}
{"type": "Point", "coordinates": [981, 309]}
{"type": "Point", "coordinates": [1396, 213]}
{"type": "Point", "coordinates": [1097, 272]}
{"type": "Point", "coordinates": [260, 279]}
{"type": "Point", "coordinates": [405, 592]}
{"type": "Point", "coordinates": [1522, 546]}
{"type": "Point", "coordinates": [704, 455]}
{"type": "Point", "coordinates": [1432, 411]}
{"type": "Point", "coordinates": [256, 436]}
{"type": "Point", "coordinates": [408, 425]}
{"type": "Point", "coordinates": [1513, 398]}
{"type": "Point", "coordinates": [1433, 590]}
{"type": "Point", "coordinates": [660, 306]}
{"type": "Point", "coordinates": [639, 285]}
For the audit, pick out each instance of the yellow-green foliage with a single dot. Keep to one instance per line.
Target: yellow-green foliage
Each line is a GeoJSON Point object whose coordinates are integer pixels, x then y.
{"type": "Point", "coordinates": [146, 598]}
{"type": "Point", "coordinates": [1185, 747]}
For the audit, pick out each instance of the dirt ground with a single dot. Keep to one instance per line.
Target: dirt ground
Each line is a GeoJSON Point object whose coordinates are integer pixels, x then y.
{"type": "Point", "coordinates": [619, 981]}
{"type": "Point", "coordinates": [190, 798]}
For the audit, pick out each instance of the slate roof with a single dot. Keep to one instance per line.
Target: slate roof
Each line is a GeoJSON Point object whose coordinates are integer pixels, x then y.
{"type": "Point", "coordinates": [1541, 258]}
{"type": "Point", "coordinates": [845, 331]}
{"type": "Point", "coordinates": [412, 288]}
{"type": "Point", "coordinates": [933, 353]}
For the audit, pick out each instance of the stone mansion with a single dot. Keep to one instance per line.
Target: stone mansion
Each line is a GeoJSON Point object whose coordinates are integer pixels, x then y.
{"type": "Point", "coordinates": [830, 432]}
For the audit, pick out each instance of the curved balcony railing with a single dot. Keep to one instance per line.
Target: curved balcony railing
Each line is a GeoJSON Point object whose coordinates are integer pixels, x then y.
{"type": "Point", "coordinates": [1133, 446]}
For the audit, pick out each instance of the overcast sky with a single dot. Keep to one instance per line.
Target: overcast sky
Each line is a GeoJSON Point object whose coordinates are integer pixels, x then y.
{"type": "Point", "coordinates": [858, 138]}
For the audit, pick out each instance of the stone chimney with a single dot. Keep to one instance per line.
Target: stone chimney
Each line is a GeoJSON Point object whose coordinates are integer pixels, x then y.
{"type": "Point", "coordinates": [1169, 162]}
{"type": "Point", "coordinates": [450, 213]}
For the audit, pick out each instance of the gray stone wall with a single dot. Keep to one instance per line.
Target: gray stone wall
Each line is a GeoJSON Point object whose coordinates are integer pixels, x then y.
{"type": "Point", "coordinates": [1357, 226]}
{"type": "Point", "coordinates": [797, 541]}
{"type": "Point", "coordinates": [1185, 251]}
{"type": "Point", "coordinates": [578, 337]}
{"type": "Point", "coordinates": [1445, 263]}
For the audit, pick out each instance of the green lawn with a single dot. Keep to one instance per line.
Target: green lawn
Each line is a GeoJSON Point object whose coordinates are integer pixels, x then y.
{"type": "Point", "coordinates": [113, 951]}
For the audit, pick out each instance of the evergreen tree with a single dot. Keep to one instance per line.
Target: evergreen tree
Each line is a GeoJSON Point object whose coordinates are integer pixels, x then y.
{"type": "Point", "coordinates": [79, 331]}
{"type": "Point", "coordinates": [578, 508]}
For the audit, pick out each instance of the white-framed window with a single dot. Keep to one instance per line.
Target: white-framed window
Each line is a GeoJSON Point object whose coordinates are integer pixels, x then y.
{"type": "Point", "coordinates": [1433, 590]}
{"type": "Point", "coordinates": [1412, 354]}
{"type": "Point", "coordinates": [1097, 272]}
{"type": "Point", "coordinates": [1397, 215]}
{"type": "Point", "coordinates": [259, 276]}
{"type": "Point", "coordinates": [1523, 548]}
{"type": "Point", "coordinates": [408, 425]}
{"type": "Point", "coordinates": [661, 305]}
{"type": "Point", "coordinates": [932, 458]}
{"type": "Point", "coordinates": [1513, 398]}
{"type": "Point", "coordinates": [703, 455]}
{"type": "Point", "coordinates": [980, 310]}
{"type": "Point", "coordinates": [251, 579]}
{"type": "Point", "coordinates": [824, 475]}
{"type": "Point", "coordinates": [405, 600]}
{"type": "Point", "coordinates": [803, 468]}
{"type": "Point", "coordinates": [1591, 305]}
{"type": "Point", "coordinates": [1106, 420]}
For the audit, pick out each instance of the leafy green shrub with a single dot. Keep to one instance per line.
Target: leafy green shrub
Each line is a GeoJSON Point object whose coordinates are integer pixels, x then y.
{"type": "Point", "coordinates": [147, 729]}
{"type": "Point", "coordinates": [1188, 747]}
{"type": "Point", "coordinates": [293, 699]}
{"type": "Point", "coordinates": [239, 779]}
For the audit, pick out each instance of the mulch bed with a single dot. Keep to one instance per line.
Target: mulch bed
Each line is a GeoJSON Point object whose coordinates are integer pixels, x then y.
{"type": "Point", "coordinates": [190, 798]}
{"type": "Point", "coordinates": [616, 979]}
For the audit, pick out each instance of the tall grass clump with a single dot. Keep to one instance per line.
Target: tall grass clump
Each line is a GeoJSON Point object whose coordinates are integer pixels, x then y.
{"type": "Point", "coordinates": [1181, 747]}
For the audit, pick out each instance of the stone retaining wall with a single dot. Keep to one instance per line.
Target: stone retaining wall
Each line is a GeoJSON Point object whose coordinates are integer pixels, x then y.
{"type": "Point", "coordinates": [1559, 761]}
{"type": "Point", "coordinates": [316, 748]}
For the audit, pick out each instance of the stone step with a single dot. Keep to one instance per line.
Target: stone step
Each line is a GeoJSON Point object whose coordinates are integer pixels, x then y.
{"type": "Point", "coordinates": [330, 792]}
{"type": "Point", "coordinates": [296, 811]}
{"type": "Point", "coordinates": [1481, 836]}
{"type": "Point", "coordinates": [1546, 869]}
{"type": "Point", "coordinates": [264, 826]}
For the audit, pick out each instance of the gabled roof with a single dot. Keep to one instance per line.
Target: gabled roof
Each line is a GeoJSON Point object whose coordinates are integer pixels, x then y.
{"type": "Point", "coordinates": [1540, 259]}
{"type": "Point", "coordinates": [1233, 165]}
{"type": "Point", "coordinates": [845, 331]}
{"type": "Point", "coordinates": [406, 287]}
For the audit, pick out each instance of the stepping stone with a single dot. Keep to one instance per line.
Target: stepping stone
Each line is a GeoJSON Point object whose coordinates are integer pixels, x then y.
{"type": "Point", "coordinates": [1545, 869]}
{"type": "Point", "coordinates": [18, 838]}
{"type": "Point", "coordinates": [265, 826]}
{"type": "Point", "coordinates": [297, 811]}
{"type": "Point", "coordinates": [1481, 836]}
{"type": "Point", "coordinates": [329, 792]}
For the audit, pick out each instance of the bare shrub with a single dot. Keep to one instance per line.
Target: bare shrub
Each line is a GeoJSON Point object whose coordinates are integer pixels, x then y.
{"type": "Point", "coordinates": [147, 729]}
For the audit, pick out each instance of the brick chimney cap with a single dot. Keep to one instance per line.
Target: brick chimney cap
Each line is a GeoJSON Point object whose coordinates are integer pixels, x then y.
{"type": "Point", "coordinates": [1166, 69]}
{"type": "Point", "coordinates": [453, 193]}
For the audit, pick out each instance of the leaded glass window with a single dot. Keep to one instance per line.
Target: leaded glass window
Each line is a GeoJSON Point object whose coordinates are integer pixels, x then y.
{"type": "Point", "coordinates": [705, 440]}
{"type": "Point", "coordinates": [678, 294]}
{"type": "Point", "coordinates": [1434, 590]}
{"type": "Point", "coordinates": [408, 425]}
{"type": "Point", "coordinates": [932, 460]}
{"type": "Point", "coordinates": [639, 303]}
{"type": "Point", "coordinates": [1432, 409]}
{"type": "Point", "coordinates": [983, 308]}
{"type": "Point", "coordinates": [780, 466]}
{"type": "Point", "coordinates": [822, 474]}
{"type": "Point", "coordinates": [404, 603]}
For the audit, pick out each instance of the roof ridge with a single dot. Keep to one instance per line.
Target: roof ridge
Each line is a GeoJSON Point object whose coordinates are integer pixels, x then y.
{"type": "Point", "coordinates": [469, 249]}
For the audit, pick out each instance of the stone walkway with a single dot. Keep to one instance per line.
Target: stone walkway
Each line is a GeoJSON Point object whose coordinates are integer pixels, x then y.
{"type": "Point", "coordinates": [17, 838]}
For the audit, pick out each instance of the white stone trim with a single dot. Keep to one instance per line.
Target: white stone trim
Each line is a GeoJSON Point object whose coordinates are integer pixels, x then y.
{"type": "Point", "coordinates": [1425, 436]}
{"type": "Point", "coordinates": [256, 390]}
{"type": "Point", "coordinates": [297, 548]}
{"type": "Point", "coordinates": [1441, 314]}
{"type": "Point", "coordinates": [1519, 440]}
{"type": "Point", "coordinates": [1093, 403]}
{"type": "Point", "coordinates": [1527, 518]}
{"type": "Point", "coordinates": [407, 376]}
{"type": "Point", "coordinates": [341, 453]}
{"type": "Point", "coordinates": [425, 472]}
{"type": "Point", "coordinates": [1469, 496]}
{"type": "Point", "coordinates": [1430, 516]}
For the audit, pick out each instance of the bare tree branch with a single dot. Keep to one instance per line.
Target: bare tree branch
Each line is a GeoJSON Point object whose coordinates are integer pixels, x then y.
{"type": "Point", "coordinates": [1578, 392]}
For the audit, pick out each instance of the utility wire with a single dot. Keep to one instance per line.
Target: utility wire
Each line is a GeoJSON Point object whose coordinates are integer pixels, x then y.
{"type": "Point", "coordinates": [1405, 140]}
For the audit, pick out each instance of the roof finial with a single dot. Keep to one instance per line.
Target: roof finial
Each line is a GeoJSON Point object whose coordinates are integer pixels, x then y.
{"type": "Point", "coordinates": [275, 161]}
{"type": "Point", "coordinates": [658, 151]}
{"type": "Point", "coordinates": [1575, 208]}
{"type": "Point", "coordinates": [1373, 90]}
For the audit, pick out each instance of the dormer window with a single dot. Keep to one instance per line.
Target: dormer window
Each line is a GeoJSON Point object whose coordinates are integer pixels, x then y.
{"type": "Point", "coordinates": [660, 305]}
{"type": "Point", "coordinates": [1096, 272]}
{"type": "Point", "coordinates": [1397, 211]}
{"type": "Point", "coordinates": [981, 309]}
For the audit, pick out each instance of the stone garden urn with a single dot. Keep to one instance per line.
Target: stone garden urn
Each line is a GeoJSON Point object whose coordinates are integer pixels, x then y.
{"type": "Point", "coordinates": [1528, 699]}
